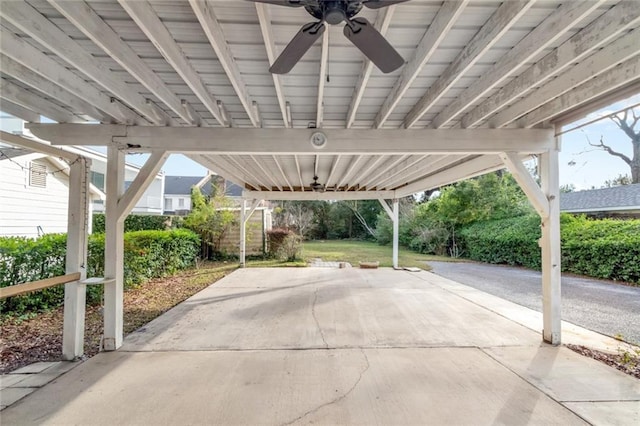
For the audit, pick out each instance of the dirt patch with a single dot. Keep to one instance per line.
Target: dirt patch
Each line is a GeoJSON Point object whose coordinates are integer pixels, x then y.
{"type": "Point", "coordinates": [38, 337]}
{"type": "Point", "coordinates": [626, 361]}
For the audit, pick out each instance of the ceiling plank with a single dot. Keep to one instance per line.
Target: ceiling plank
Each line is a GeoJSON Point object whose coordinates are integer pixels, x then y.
{"type": "Point", "coordinates": [350, 170]}
{"type": "Point", "coordinates": [334, 164]}
{"type": "Point", "coordinates": [437, 31]}
{"type": "Point", "coordinates": [265, 173]}
{"type": "Point", "coordinates": [365, 171]}
{"type": "Point", "coordinates": [383, 20]}
{"type": "Point", "coordinates": [264, 19]}
{"type": "Point", "coordinates": [87, 20]}
{"type": "Point", "coordinates": [324, 57]}
{"type": "Point", "coordinates": [235, 161]}
{"type": "Point", "coordinates": [145, 17]}
{"type": "Point", "coordinates": [627, 73]}
{"type": "Point", "coordinates": [284, 176]}
{"type": "Point", "coordinates": [299, 172]}
{"type": "Point", "coordinates": [30, 21]}
{"type": "Point", "coordinates": [552, 28]}
{"type": "Point", "coordinates": [496, 26]}
{"type": "Point", "coordinates": [295, 141]}
{"type": "Point", "coordinates": [209, 22]}
{"type": "Point", "coordinates": [23, 74]}
{"type": "Point", "coordinates": [390, 164]}
{"type": "Point", "coordinates": [209, 164]}
{"type": "Point", "coordinates": [620, 18]}
{"type": "Point", "coordinates": [619, 51]}
{"type": "Point", "coordinates": [32, 101]}
{"type": "Point", "coordinates": [472, 168]}
{"type": "Point", "coordinates": [19, 111]}
{"type": "Point", "coordinates": [434, 164]}
{"type": "Point", "coordinates": [25, 54]}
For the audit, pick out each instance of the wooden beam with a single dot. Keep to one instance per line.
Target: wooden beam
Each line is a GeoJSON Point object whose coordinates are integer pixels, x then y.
{"type": "Point", "coordinates": [496, 26]}
{"type": "Point", "coordinates": [437, 31]}
{"type": "Point", "coordinates": [527, 183]}
{"type": "Point", "coordinates": [33, 23]}
{"type": "Point", "coordinates": [144, 178]}
{"type": "Point", "coordinates": [615, 21]}
{"type": "Point", "coordinates": [302, 185]}
{"type": "Point", "coordinates": [312, 195]}
{"type": "Point", "coordinates": [349, 171]}
{"type": "Point", "coordinates": [383, 20]}
{"type": "Point", "coordinates": [324, 57]}
{"type": "Point", "coordinates": [18, 289]}
{"type": "Point", "coordinates": [264, 19]}
{"type": "Point", "coordinates": [616, 78]}
{"type": "Point", "coordinates": [19, 111]}
{"type": "Point", "coordinates": [432, 165]}
{"type": "Point", "coordinates": [332, 170]}
{"type": "Point", "coordinates": [472, 168]}
{"type": "Point", "coordinates": [33, 145]}
{"type": "Point", "coordinates": [87, 20]}
{"type": "Point", "coordinates": [296, 141]}
{"type": "Point", "coordinates": [550, 30]}
{"type": "Point", "coordinates": [30, 78]}
{"type": "Point", "coordinates": [390, 164]}
{"type": "Point", "coordinates": [619, 51]}
{"type": "Point", "coordinates": [284, 176]}
{"type": "Point", "coordinates": [209, 23]}
{"type": "Point", "coordinates": [364, 172]}
{"type": "Point", "coordinates": [209, 163]}
{"type": "Point", "coordinates": [265, 173]}
{"type": "Point", "coordinates": [29, 100]}
{"type": "Point", "coordinates": [143, 14]}
{"type": "Point", "coordinates": [24, 53]}
{"type": "Point", "coordinates": [194, 117]}
{"type": "Point", "coordinates": [250, 176]}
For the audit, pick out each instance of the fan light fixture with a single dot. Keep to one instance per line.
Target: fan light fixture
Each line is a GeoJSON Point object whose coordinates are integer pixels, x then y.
{"type": "Point", "coordinates": [317, 186]}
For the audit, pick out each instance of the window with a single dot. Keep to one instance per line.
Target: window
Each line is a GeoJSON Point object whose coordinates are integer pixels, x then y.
{"type": "Point", "coordinates": [168, 204]}
{"type": "Point", "coordinates": [181, 203]}
{"type": "Point", "coordinates": [98, 180]}
{"type": "Point", "coordinates": [38, 175]}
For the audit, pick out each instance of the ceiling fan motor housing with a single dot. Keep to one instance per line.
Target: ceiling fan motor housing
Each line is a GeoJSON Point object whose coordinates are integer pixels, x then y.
{"type": "Point", "coordinates": [334, 12]}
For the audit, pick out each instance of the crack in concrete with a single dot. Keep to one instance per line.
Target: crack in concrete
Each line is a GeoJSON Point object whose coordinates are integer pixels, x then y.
{"type": "Point", "coordinates": [313, 312]}
{"type": "Point", "coordinates": [337, 399]}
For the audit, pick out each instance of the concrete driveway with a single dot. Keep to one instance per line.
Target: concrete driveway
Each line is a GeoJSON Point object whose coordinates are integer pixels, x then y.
{"type": "Point", "coordinates": [336, 346]}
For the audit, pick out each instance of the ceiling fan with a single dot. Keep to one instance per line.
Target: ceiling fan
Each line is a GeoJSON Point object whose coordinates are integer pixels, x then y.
{"type": "Point", "coordinates": [358, 30]}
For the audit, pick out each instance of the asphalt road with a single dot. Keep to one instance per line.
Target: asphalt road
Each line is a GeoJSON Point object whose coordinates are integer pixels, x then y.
{"type": "Point", "coordinates": [602, 306]}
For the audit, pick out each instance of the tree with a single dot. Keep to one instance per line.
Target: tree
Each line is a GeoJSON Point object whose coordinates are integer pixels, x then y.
{"type": "Point", "coordinates": [566, 188]}
{"type": "Point", "coordinates": [627, 122]}
{"type": "Point", "coordinates": [617, 181]}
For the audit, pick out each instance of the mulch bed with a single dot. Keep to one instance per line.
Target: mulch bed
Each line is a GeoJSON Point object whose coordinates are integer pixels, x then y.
{"type": "Point", "coordinates": [625, 361]}
{"type": "Point", "coordinates": [28, 339]}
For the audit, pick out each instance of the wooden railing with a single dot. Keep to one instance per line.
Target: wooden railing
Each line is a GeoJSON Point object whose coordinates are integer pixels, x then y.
{"type": "Point", "coordinates": [17, 289]}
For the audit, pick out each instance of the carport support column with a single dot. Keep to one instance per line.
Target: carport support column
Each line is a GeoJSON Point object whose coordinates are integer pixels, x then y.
{"type": "Point", "coordinates": [396, 225]}
{"type": "Point", "coordinates": [243, 232]}
{"type": "Point", "coordinates": [114, 252]}
{"type": "Point", "coordinates": [550, 244]}
{"type": "Point", "coordinates": [76, 261]}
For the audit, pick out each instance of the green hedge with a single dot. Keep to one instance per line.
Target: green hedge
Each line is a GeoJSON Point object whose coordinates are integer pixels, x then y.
{"type": "Point", "coordinates": [135, 222]}
{"type": "Point", "coordinates": [147, 254]}
{"type": "Point", "coordinates": [604, 248]}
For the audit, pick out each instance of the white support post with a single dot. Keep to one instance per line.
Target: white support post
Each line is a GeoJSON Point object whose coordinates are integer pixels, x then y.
{"type": "Point", "coordinates": [76, 261]}
{"type": "Point", "coordinates": [550, 244]}
{"type": "Point", "coordinates": [396, 221]}
{"type": "Point", "coordinates": [114, 252]}
{"type": "Point", "coordinates": [243, 231]}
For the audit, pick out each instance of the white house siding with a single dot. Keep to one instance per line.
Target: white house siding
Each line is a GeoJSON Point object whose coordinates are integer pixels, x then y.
{"type": "Point", "coordinates": [24, 208]}
{"type": "Point", "coordinates": [172, 203]}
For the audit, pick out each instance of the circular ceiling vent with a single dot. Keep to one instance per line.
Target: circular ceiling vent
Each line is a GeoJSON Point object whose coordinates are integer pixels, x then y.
{"type": "Point", "coordinates": [318, 140]}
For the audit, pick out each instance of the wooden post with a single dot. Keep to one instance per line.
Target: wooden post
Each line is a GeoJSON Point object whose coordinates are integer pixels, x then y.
{"type": "Point", "coordinates": [114, 251]}
{"type": "Point", "coordinates": [76, 261]}
{"type": "Point", "coordinates": [550, 244]}
{"type": "Point", "coordinates": [396, 222]}
{"type": "Point", "coordinates": [243, 230]}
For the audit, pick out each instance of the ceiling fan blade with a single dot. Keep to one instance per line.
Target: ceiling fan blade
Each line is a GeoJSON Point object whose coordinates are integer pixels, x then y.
{"type": "Point", "coordinates": [379, 4]}
{"type": "Point", "coordinates": [297, 47]}
{"type": "Point", "coordinates": [290, 3]}
{"type": "Point", "coordinates": [373, 44]}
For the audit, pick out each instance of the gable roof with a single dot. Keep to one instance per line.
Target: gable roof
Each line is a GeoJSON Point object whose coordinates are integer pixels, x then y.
{"type": "Point", "coordinates": [180, 185]}
{"type": "Point", "coordinates": [624, 197]}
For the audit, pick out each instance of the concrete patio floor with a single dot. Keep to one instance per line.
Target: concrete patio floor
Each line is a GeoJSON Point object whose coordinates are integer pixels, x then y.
{"type": "Point", "coordinates": [336, 346]}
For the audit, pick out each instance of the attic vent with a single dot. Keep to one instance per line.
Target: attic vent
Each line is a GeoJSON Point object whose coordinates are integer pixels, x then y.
{"type": "Point", "coordinates": [38, 175]}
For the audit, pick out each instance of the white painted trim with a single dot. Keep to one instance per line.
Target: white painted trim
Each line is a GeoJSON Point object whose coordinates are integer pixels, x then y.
{"type": "Point", "coordinates": [527, 183]}
{"type": "Point", "coordinates": [310, 195]}
{"type": "Point", "coordinates": [324, 57]}
{"type": "Point", "coordinates": [396, 232]}
{"type": "Point", "coordinates": [19, 111]}
{"type": "Point", "coordinates": [145, 177]}
{"type": "Point", "coordinates": [36, 146]}
{"type": "Point", "coordinates": [386, 207]}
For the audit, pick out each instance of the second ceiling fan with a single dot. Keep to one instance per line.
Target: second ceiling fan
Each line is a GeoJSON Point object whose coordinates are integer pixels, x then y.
{"type": "Point", "coordinates": [358, 30]}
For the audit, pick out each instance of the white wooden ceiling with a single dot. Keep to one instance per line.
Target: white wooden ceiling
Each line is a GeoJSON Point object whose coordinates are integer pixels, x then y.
{"type": "Point", "coordinates": [470, 64]}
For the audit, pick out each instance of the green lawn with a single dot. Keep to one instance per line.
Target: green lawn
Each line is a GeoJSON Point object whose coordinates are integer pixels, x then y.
{"type": "Point", "coordinates": [363, 251]}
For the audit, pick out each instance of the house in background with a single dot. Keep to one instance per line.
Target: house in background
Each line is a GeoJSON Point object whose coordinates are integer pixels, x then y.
{"type": "Point", "coordinates": [619, 201]}
{"type": "Point", "coordinates": [177, 191]}
{"type": "Point", "coordinates": [34, 193]}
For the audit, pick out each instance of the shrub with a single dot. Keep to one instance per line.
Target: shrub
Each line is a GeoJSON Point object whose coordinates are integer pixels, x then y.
{"type": "Point", "coordinates": [605, 248]}
{"type": "Point", "coordinates": [290, 248]}
{"type": "Point", "coordinates": [148, 254]}
{"type": "Point", "coordinates": [276, 238]}
{"type": "Point", "coordinates": [135, 222]}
